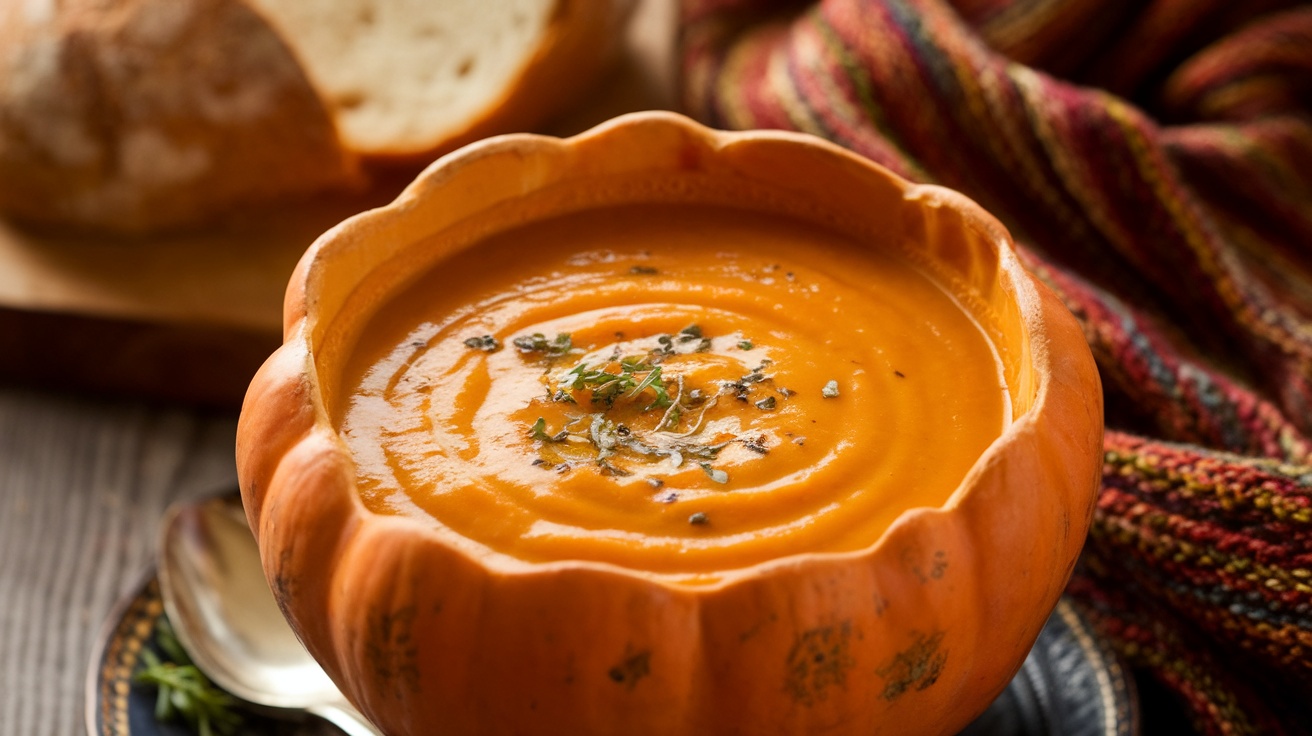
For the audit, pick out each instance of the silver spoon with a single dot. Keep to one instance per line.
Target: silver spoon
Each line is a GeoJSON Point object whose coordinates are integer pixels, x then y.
{"type": "Point", "coordinates": [225, 616]}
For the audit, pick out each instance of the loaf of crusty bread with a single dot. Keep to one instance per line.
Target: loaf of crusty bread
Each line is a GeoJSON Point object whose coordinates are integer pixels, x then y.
{"type": "Point", "coordinates": [141, 115]}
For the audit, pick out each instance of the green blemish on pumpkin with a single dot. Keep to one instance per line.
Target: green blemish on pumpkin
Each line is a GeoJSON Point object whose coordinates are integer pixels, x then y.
{"type": "Point", "coordinates": [914, 668]}
{"type": "Point", "coordinates": [818, 660]}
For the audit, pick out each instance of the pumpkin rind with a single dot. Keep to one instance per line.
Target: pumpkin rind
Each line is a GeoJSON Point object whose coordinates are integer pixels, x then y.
{"type": "Point", "coordinates": [915, 634]}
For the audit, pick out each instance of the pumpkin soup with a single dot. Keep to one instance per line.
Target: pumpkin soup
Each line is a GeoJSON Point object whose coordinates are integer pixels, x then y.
{"type": "Point", "coordinates": [674, 389]}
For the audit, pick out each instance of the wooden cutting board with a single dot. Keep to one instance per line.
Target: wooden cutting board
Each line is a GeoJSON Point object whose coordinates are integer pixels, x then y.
{"type": "Point", "coordinates": [191, 316]}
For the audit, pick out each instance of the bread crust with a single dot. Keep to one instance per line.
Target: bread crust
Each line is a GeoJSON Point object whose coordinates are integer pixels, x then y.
{"type": "Point", "coordinates": [142, 115]}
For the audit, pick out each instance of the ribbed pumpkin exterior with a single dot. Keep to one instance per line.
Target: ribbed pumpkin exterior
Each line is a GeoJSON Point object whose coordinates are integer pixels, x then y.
{"type": "Point", "coordinates": [916, 634]}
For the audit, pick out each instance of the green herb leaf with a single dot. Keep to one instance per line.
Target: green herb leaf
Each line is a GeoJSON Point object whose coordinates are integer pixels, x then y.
{"type": "Point", "coordinates": [656, 384]}
{"type": "Point", "coordinates": [715, 474]}
{"type": "Point", "coordinates": [671, 419]}
{"type": "Point", "coordinates": [604, 436]}
{"type": "Point", "coordinates": [745, 345]}
{"type": "Point", "coordinates": [539, 432]}
{"type": "Point", "coordinates": [486, 343]}
{"type": "Point", "coordinates": [690, 333]}
{"type": "Point", "coordinates": [538, 343]}
{"type": "Point", "coordinates": [607, 387]}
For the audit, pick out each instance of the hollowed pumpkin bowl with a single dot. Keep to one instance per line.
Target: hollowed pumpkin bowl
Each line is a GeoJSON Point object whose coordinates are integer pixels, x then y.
{"type": "Point", "coordinates": [915, 632]}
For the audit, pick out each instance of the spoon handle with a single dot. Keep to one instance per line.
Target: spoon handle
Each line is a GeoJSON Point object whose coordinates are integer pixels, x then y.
{"type": "Point", "coordinates": [346, 717]}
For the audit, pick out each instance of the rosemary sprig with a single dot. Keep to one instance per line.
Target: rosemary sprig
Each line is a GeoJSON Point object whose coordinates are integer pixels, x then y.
{"type": "Point", "coordinates": [183, 691]}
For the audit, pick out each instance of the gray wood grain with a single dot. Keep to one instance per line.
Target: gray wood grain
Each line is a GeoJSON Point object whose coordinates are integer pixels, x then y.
{"type": "Point", "coordinates": [83, 485]}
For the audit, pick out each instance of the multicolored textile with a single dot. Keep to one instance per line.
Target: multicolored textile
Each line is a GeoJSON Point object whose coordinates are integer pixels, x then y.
{"type": "Point", "coordinates": [1154, 160]}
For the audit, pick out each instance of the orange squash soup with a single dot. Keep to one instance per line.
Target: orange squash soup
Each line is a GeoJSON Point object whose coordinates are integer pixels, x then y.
{"type": "Point", "coordinates": [675, 389]}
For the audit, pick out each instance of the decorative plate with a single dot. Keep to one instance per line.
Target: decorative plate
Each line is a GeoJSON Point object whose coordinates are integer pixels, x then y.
{"type": "Point", "coordinates": [1068, 686]}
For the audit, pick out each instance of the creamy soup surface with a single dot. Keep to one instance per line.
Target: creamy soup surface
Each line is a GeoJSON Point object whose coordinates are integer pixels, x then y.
{"type": "Point", "coordinates": [675, 389]}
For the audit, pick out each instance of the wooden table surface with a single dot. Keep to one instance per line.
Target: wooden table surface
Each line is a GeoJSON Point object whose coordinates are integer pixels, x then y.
{"type": "Point", "coordinates": [83, 485]}
{"type": "Point", "coordinates": [84, 480]}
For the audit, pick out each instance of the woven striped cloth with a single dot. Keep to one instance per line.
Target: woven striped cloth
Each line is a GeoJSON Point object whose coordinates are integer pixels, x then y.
{"type": "Point", "coordinates": [1153, 159]}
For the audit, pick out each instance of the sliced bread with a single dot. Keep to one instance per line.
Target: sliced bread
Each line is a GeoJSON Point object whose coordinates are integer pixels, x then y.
{"type": "Point", "coordinates": [413, 78]}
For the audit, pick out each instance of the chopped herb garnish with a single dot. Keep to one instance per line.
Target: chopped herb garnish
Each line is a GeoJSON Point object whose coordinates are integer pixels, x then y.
{"type": "Point", "coordinates": [738, 388]}
{"type": "Point", "coordinates": [715, 474]}
{"type": "Point", "coordinates": [486, 343]}
{"type": "Point", "coordinates": [643, 384]}
{"type": "Point", "coordinates": [643, 271]}
{"type": "Point", "coordinates": [606, 387]}
{"type": "Point", "coordinates": [666, 345]}
{"type": "Point", "coordinates": [604, 437]}
{"type": "Point", "coordinates": [539, 432]}
{"type": "Point", "coordinates": [745, 345]}
{"type": "Point", "coordinates": [830, 390]}
{"type": "Point", "coordinates": [538, 343]}
{"type": "Point", "coordinates": [698, 519]}
{"type": "Point", "coordinates": [670, 419]}
{"type": "Point", "coordinates": [652, 381]}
